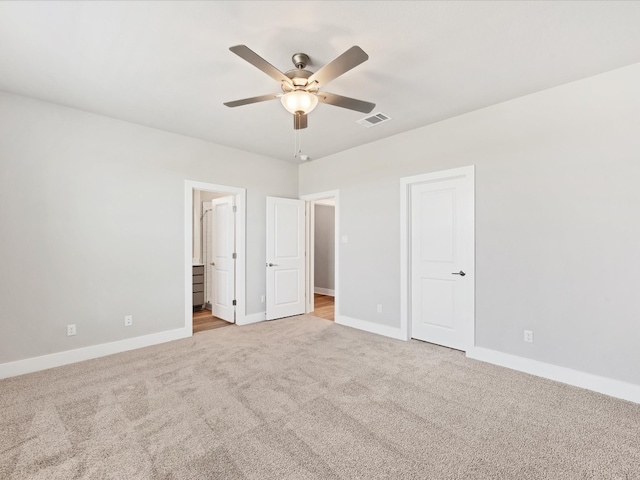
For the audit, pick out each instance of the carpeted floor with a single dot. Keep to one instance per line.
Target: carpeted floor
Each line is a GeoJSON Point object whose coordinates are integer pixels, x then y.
{"type": "Point", "coordinates": [304, 398]}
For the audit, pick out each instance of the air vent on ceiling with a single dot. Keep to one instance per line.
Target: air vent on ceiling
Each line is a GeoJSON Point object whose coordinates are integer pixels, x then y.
{"type": "Point", "coordinates": [375, 119]}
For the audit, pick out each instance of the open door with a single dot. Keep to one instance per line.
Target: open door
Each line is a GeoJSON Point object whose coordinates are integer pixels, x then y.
{"type": "Point", "coordinates": [223, 259]}
{"type": "Point", "coordinates": [285, 257]}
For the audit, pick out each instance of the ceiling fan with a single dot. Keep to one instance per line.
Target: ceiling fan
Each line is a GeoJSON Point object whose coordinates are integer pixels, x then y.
{"type": "Point", "coordinates": [301, 87]}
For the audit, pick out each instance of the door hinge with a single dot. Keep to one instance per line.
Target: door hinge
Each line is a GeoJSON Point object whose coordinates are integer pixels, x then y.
{"type": "Point", "coordinates": [235, 209]}
{"type": "Point", "coordinates": [234, 303]}
{"type": "Point", "coordinates": [234, 255]}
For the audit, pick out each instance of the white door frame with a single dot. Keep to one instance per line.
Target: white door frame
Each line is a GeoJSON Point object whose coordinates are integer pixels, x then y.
{"type": "Point", "coordinates": [240, 197]}
{"type": "Point", "coordinates": [310, 231]}
{"type": "Point", "coordinates": [405, 241]}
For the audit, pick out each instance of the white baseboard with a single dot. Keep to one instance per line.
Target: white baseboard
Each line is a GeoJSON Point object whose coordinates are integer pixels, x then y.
{"type": "Point", "coordinates": [608, 386]}
{"type": "Point", "coordinates": [325, 291]}
{"type": "Point", "coordinates": [44, 362]}
{"type": "Point", "coordinates": [252, 318]}
{"type": "Point", "coordinates": [384, 330]}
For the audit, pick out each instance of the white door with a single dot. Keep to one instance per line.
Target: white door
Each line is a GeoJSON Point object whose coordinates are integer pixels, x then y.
{"type": "Point", "coordinates": [442, 261]}
{"type": "Point", "coordinates": [207, 241]}
{"type": "Point", "coordinates": [222, 259]}
{"type": "Point", "coordinates": [285, 257]}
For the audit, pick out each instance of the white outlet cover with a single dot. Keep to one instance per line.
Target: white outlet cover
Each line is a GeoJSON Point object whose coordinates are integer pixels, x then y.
{"type": "Point", "coordinates": [345, 239]}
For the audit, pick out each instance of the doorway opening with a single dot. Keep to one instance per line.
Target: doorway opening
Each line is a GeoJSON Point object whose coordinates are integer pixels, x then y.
{"type": "Point", "coordinates": [322, 255]}
{"type": "Point", "coordinates": [214, 256]}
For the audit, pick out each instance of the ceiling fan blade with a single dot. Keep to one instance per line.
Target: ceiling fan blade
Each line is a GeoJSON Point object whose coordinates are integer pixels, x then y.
{"type": "Point", "coordinates": [257, 61]}
{"type": "Point", "coordinates": [299, 121]}
{"type": "Point", "coordinates": [345, 102]}
{"type": "Point", "coordinates": [345, 62]}
{"type": "Point", "coordinates": [247, 101]}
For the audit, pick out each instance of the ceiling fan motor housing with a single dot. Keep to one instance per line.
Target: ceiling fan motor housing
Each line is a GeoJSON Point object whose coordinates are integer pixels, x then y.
{"type": "Point", "coordinates": [299, 81]}
{"type": "Point", "coordinates": [300, 60]}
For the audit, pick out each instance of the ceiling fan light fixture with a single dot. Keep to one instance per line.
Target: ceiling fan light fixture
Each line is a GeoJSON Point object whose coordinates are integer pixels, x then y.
{"type": "Point", "coordinates": [299, 101]}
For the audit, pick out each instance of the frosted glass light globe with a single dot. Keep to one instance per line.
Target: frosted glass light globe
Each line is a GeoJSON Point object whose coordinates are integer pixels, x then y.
{"type": "Point", "coordinates": [299, 101]}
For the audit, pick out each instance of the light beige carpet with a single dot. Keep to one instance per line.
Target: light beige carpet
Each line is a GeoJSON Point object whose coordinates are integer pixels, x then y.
{"type": "Point", "coordinates": [304, 398]}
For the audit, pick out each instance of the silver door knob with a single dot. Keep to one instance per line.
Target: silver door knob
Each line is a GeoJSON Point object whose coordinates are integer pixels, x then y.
{"type": "Point", "coordinates": [271, 265]}
{"type": "Point", "coordinates": [461, 273]}
{"type": "Point", "coordinates": [213, 263]}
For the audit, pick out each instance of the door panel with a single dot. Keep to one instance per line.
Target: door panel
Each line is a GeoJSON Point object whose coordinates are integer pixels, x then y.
{"type": "Point", "coordinates": [437, 302]}
{"type": "Point", "coordinates": [436, 226]}
{"type": "Point", "coordinates": [285, 257]}
{"type": "Point", "coordinates": [286, 243]}
{"type": "Point", "coordinates": [286, 286]}
{"type": "Point", "coordinates": [223, 288]}
{"type": "Point", "coordinates": [441, 246]}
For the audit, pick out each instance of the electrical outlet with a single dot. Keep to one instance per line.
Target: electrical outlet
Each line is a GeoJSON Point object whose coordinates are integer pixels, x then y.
{"type": "Point", "coordinates": [345, 239]}
{"type": "Point", "coordinates": [262, 298]}
{"type": "Point", "coordinates": [379, 308]}
{"type": "Point", "coordinates": [128, 320]}
{"type": "Point", "coordinates": [71, 330]}
{"type": "Point", "coordinates": [528, 336]}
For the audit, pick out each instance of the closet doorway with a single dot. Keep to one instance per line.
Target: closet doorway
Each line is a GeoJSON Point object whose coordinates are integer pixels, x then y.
{"type": "Point", "coordinates": [215, 278]}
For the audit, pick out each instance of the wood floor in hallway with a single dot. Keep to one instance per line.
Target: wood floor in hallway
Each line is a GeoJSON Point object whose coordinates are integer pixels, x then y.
{"type": "Point", "coordinates": [204, 320]}
{"type": "Point", "coordinates": [324, 306]}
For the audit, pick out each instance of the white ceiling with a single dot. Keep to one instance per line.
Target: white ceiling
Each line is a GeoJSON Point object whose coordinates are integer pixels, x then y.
{"type": "Point", "coordinates": [167, 64]}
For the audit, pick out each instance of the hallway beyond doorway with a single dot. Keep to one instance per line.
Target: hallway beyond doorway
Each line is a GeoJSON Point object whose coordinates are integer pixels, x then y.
{"type": "Point", "coordinates": [324, 306]}
{"type": "Point", "coordinates": [204, 320]}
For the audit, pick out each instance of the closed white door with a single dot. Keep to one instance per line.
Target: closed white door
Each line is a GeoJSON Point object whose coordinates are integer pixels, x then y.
{"type": "Point", "coordinates": [285, 257]}
{"type": "Point", "coordinates": [222, 259]}
{"type": "Point", "coordinates": [442, 262]}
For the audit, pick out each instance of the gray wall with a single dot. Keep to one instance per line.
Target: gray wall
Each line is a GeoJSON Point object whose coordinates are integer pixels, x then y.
{"type": "Point", "coordinates": [324, 246]}
{"type": "Point", "coordinates": [557, 230]}
{"type": "Point", "coordinates": [92, 215]}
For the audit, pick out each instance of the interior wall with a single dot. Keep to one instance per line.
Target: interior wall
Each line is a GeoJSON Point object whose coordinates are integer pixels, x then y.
{"type": "Point", "coordinates": [324, 247]}
{"type": "Point", "coordinates": [92, 213]}
{"type": "Point", "coordinates": [557, 203]}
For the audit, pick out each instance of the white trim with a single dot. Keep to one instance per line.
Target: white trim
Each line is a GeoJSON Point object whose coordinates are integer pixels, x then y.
{"type": "Point", "coordinates": [310, 264]}
{"type": "Point", "coordinates": [330, 202]}
{"type": "Point", "coordinates": [335, 194]}
{"type": "Point", "coordinates": [607, 386]}
{"type": "Point", "coordinates": [313, 197]}
{"type": "Point", "coordinates": [405, 215]}
{"type": "Point", "coordinates": [325, 291]}
{"type": "Point", "coordinates": [405, 271]}
{"type": "Point", "coordinates": [384, 330]}
{"type": "Point", "coordinates": [252, 318]}
{"type": "Point", "coordinates": [240, 202]}
{"type": "Point", "coordinates": [44, 362]}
